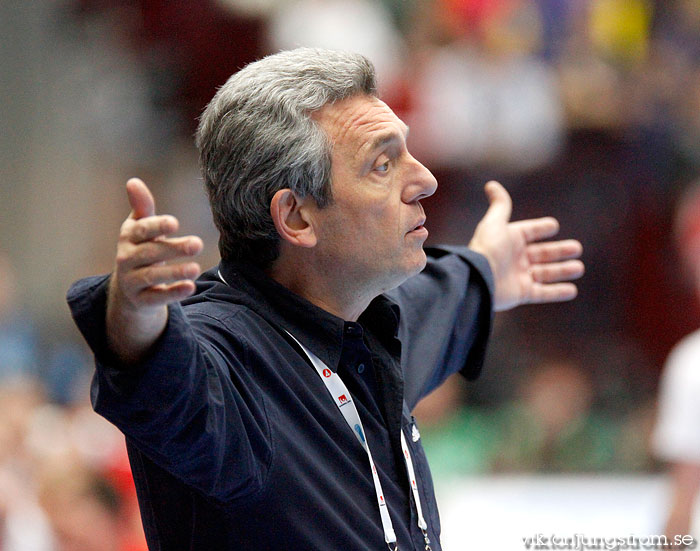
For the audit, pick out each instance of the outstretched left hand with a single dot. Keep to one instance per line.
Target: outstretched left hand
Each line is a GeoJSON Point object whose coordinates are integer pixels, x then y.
{"type": "Point", "coordinates": [525, 271]}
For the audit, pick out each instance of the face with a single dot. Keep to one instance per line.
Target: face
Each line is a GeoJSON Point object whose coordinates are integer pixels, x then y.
{"type": "Point", "coordinates": [373, 232]}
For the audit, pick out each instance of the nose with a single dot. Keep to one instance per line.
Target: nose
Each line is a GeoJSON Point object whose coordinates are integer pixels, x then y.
{"type": "Point", "coordinates": [421, 183]}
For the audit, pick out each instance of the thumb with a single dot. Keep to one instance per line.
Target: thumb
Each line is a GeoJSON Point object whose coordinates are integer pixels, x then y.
{"type": "Point", "coordinates": [500, 203]}
{"type": "Point", "coordinates": [140, 199]}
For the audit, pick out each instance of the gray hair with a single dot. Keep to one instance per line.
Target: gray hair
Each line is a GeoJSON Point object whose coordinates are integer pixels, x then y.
{"type": "Point", "coordinates": [257, 136]}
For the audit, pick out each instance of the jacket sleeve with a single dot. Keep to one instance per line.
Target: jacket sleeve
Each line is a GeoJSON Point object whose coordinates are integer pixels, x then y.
{"type": "Point", "coordinates": [446, 315]}
{"type": "Point", "coordinates": [191, 406]}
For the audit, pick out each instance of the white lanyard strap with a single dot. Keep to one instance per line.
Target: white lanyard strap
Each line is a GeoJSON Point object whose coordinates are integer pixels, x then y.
{"type": "Point", "coordinates": [339, 392]}
{"type": "Point", "coordinates": [414, 487]}
{"type": "Point", "coordinates": [342, 398]}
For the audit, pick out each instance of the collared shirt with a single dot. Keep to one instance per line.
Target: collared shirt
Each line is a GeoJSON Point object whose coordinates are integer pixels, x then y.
{"type": "Point", "coordinates": [233, 439]}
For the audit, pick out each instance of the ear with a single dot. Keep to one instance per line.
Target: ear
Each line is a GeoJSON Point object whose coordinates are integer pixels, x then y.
{"type": "Point", "coordinates": [291, 218]}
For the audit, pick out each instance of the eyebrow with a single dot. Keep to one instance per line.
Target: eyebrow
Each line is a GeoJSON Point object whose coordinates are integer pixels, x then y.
{"type": "Point", "coordinates": [388, 137]}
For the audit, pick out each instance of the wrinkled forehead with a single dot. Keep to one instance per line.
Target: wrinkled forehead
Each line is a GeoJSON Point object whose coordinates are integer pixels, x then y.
{"type": "Point", "coordinates": [359, 123]}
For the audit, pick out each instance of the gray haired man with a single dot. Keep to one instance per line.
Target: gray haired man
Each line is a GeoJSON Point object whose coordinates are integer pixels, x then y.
{"type": "Point", "coordinates": [267, 404]}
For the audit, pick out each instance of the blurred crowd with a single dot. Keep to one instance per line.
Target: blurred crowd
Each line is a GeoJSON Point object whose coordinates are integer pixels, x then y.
{"type": "Point", "coordinates": [588, 110]}
{"type": "Point", "coordinates": [65, 482]}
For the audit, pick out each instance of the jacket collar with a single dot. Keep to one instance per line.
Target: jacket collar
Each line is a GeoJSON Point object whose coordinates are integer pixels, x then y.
{"type": "Point", "coordinates": [318, 330]}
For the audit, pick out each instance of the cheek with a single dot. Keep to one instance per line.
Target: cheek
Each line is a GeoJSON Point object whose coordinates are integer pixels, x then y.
{"type": "Point", "coordinates": [382, 231]}
{"type": "Point", "coordinates": [370, 219]}
{"type": "Point", "coordinates": [369, 225]}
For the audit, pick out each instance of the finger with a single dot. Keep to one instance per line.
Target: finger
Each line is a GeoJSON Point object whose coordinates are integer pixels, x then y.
{"type": "Point", "coordinates": [537, 228]}
{"type": "Point", "coordinates": [146, 229]}
{"type": "Point", "coordinates": [165, 294]}
{"type": "Point", "coordinates": [140, 199]}
{"type": "Point", "coordinates": [552, 292]}
{"type": "Point", "coordinates": [152, 276]}
{"type": "Point", "coordinates": [500, 203]}
{"type": "Point", "coordinates": [161, 250]}
{"type": "Point", "coordinates": [553, 252]}
{"type": "Point", "coordinates": [558, 271]}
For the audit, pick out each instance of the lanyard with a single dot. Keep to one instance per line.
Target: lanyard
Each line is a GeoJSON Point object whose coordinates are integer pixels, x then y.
{"type": "Point", "coordinates": [342, 398]}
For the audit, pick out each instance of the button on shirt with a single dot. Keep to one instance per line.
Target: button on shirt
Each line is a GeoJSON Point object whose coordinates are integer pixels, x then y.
{"type": "Point", "coordinates": [233, 439]}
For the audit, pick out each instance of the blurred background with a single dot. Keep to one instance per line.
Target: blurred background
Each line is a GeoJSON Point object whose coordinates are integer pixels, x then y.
{"type": "Point", "coordinates": [587, 110]}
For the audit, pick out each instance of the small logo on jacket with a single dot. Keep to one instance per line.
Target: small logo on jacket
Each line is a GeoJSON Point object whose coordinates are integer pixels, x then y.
{"type": "Point", "coordinates": [326, 373]}
{"type": "Point", "coordinates": [342, 399]}
{"type": "Point", "coordinates": [415, 435]}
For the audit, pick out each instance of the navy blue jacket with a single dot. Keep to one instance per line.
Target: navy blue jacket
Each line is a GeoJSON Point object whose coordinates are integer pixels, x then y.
{"type": "Point", "coordinates": [233, 439]}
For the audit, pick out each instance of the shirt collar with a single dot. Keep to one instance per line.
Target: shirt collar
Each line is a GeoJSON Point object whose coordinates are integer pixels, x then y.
{"type": "Point", "coordinates": [318, 330]}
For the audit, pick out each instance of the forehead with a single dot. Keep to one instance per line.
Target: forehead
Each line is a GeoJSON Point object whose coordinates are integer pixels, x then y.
{"type": "Point", "coordinates": [359, 122]}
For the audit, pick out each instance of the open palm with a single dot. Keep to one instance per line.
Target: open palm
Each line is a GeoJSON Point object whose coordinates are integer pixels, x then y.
{"type": "Point", "coordinates": [525, 269]}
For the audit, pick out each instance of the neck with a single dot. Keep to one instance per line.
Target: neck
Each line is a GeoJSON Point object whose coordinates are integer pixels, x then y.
{"type": "Point", "coordinates": [338, 295]}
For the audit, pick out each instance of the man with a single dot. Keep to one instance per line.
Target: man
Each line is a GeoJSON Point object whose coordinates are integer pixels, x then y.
{"type": "Point", "coordinates": [272, 408]}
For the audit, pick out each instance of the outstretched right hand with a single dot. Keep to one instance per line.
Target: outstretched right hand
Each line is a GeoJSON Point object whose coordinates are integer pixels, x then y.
{"type": "Point", "coordinates": [142, 284]}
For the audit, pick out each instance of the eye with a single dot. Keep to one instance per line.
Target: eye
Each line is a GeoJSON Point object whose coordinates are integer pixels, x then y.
{"type": "Point", "coordinates": [384, 167]}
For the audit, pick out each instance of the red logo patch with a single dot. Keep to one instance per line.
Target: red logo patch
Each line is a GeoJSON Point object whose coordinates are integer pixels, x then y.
{"type": "Point", "coordinates": [326, 373]}
{"type": "Point", "coordinates": [342, 398]}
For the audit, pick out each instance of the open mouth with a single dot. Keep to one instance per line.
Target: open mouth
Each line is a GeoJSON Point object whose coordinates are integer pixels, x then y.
{"type": "Point", "coordinates": [419, 227]}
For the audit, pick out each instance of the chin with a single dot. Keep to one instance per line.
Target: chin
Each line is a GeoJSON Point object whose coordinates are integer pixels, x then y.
{"type": "Point", "coordinates": [409, 270]}
{"type": "Point", "coordinates": [420, 262]}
